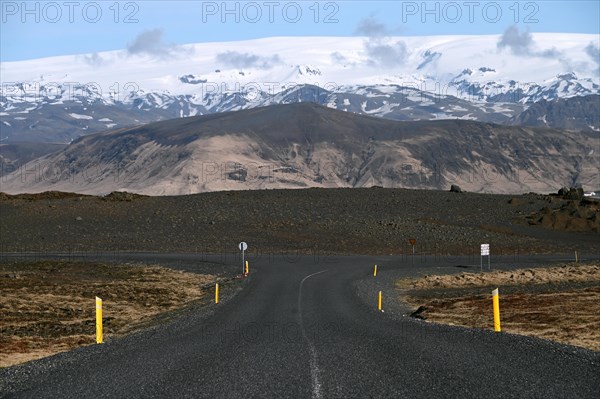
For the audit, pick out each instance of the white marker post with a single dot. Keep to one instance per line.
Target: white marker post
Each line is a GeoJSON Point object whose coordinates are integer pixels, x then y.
{"type": "Point", "coordinates": [243, 247]}
{"type": "Point", "coordinates": [485, 251]}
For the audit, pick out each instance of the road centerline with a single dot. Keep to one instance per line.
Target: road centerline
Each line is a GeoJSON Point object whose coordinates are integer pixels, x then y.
{"type": "Point", "coordinates": [314, 364]}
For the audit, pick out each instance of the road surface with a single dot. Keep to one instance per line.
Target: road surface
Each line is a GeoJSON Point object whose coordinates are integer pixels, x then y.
{"type": "Point", "coordinates": [298, 329]}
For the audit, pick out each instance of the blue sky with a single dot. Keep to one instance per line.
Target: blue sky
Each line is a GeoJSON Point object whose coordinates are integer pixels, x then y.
{"type": "Point", "coordinates": [46, 28]}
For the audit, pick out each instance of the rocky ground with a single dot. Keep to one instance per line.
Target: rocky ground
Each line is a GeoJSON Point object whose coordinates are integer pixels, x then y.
{"type": "Point", "coordinates": [581, 215]}
{"type": "Point", "coordinates": [345, 221]}
{"type": "Point", "coordinates": [54, 299]}
{"type": "Point", "coordinates": [559, 303]}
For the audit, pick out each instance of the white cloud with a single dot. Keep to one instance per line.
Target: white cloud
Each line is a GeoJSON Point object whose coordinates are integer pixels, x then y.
{"type": "Point", "coordinates": [371, 27]}
{"type": "Point", "coordinates": [593, 51]}
{"type": "Point", "coordinates": [385, 53]}
{"type": "Point", "coordinates": [94, 60]}
{"type": "Point", "coordinates": [151, 42]}
{"type": "Point", "coordinates": [522, 43]}
{"type": "Point", "coordinates": [247, 60]}
{"type": "Point", "coordinates": [381, 49]}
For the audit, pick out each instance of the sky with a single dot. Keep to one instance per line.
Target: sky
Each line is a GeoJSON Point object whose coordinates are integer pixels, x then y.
{"type": "Point", "coordinates": [37, 29]}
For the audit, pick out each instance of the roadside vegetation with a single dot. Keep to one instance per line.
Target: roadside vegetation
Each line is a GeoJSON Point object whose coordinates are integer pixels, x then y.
{"type": "Point", "coordinates": [558, 303]}
{"type": "Point", "coordinates": [49, 306]}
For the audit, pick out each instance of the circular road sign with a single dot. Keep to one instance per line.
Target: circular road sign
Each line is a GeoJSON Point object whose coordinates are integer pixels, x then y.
{"type": "Point", "coordinates": [243, 246]}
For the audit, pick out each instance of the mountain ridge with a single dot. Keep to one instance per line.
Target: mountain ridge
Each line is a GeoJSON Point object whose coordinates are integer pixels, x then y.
{"type": "Point", "coordinates": [441, 77]}
{"type": "Point", "coordinates": [308, 145]}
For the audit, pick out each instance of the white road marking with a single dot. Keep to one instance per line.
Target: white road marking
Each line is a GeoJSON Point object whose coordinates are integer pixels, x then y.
{"type": "Point", "coordinates": [314, 364]}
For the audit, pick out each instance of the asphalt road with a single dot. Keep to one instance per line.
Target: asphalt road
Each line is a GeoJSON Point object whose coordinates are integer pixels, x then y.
{"type": "Point", "coordinates": [298, 329]}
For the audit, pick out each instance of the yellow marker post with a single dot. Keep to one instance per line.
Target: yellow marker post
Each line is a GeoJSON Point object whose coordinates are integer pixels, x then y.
{"type": "Point", "coordinates": [379, 301]}
{"type": "Point", "coordinates": [375, 271]}
{"type": "Point", "coordinates": [217, 293]}
{"type": "Point", "coordinates": [99, 335]}
{"type": "Point", "coordinates": [576, 259]}
{"type": "Point", "coordinates": [496, 303]}
{"type": "Point", "coordinates": [247, 269]}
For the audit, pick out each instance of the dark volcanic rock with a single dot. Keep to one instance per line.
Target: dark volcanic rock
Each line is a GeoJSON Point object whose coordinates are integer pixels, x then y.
{"type": "Point", "coordinates": [571, 193]}
{"type": "Point", "coordinates": [123, 196]}
{"type": "Point", "coordinates": [418, 314]}
{"type": "Point", "coordinates": [570, 216]}
{"type": "Point", "coordinates": [575, 194]}
{"type": "Point", "coordinates": [367, 221]}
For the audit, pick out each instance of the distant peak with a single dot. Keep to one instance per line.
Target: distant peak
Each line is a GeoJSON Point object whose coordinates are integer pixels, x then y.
{"type": "Point", "coordinates": [567, 76]}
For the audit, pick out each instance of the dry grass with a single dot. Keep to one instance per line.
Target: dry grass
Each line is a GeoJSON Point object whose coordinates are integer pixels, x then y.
{"type": "Point", "coordinates": [49, 307]}
{"type": "Point", "coordinates": [568, 273]}
{"type": "Point", "coordinates": [559, 303]}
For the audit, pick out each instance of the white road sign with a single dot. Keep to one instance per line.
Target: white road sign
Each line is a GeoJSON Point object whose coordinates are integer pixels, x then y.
{"type": "Point", "coordinates": [485, 249]}
{"type": "Point", "coordinates": [243, 246]}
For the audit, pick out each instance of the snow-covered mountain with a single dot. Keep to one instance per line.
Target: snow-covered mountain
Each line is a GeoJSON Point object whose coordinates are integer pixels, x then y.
{"type": "Point", "coordinates": [402, 78]}
{"type": "Point", "coordinates": [574, 113]}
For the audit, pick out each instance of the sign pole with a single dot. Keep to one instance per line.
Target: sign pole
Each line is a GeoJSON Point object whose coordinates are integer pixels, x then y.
{"type": "Point", "coordinates": [413, 242]}
{"type": "Point", "coordinates": [243, 247]}
{"type": "Point", "coordinates": [485, 251]}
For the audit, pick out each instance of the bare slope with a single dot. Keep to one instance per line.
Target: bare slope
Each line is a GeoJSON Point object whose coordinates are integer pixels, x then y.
{"type": "Point", "coordinates": [307, 145]}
